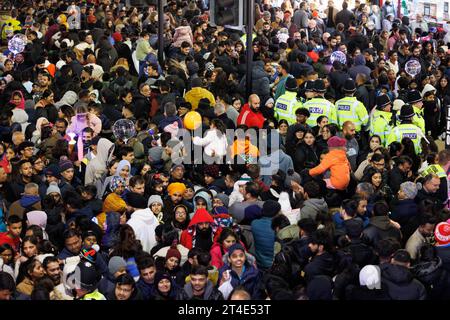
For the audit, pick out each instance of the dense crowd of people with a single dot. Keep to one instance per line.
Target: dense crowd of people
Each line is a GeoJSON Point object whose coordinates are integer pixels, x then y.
{"type": "Point", "coordinates": [331, 185]}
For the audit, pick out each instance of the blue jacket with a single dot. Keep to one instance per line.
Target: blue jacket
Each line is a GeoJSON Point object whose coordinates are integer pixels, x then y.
{"type": "Point", "coordinates": [250, 279]}
{"type": "Point", "coordinates": [264, 238]}
{"type": "Point", "coordinates": [146, 289]}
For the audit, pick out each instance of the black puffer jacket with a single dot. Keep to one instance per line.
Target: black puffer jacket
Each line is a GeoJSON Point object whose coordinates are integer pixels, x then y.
{"type": "Point", "coordinates": [400, 283]}
{"type": "Point", "coordinates": [435, 278]}
{"type": "Point", "coordinates": [305, 157]}
{"type": "Point", "coordinates": [380, 228]}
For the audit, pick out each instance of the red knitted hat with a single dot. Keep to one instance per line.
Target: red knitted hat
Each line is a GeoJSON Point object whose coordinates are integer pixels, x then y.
{"type": "Point", "coordinates": [173, 252]}
{"type": "Point", "coordinates": [335, 142]}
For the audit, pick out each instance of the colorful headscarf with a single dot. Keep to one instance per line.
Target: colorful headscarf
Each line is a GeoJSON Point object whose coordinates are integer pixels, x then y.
{"type": "Point", "coordinates": [22, 102]}
{"type": "Point", "coordinates": [116, 182]}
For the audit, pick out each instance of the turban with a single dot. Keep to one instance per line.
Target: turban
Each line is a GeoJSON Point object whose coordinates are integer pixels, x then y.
{"type": "Point", "coordinates": [176, 187]}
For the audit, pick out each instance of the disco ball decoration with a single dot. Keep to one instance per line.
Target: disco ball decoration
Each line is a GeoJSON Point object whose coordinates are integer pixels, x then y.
{"type": "Point", "coordinates": [17, 43]}
{"type": "Point", "coordinates": [124, 129]}
{"type": "Point", "coordinates": [338, 56]}
{"type": "Point", "coordinates": [413, 67]}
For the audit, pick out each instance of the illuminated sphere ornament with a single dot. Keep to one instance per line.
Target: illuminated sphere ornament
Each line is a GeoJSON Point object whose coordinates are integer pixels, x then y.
{"type": "Point", "coordinates": [17, 43]}
{"type": "Point", "coordinates": [124, 129]}
{"type": "Point", "coordinates": [338, 56]}
{"type": "Point", "coordinates": [413, 67]}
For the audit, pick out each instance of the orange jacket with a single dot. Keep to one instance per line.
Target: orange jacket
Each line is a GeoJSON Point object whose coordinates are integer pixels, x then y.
{"type": "Point", "coordinates": [336, 161]}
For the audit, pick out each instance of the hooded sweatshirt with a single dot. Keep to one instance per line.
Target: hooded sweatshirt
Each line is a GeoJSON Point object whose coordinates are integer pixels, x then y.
{"type": "Point", "coordinates": [69, 98]}
{"type": "Point", "coordinates": [312, 207]}
{"type": "Point", "coordinates": [187, 238]}
{"type": "Point", "coordinates": [97, 167]}
{"type": "Point", "coordinates": [144, 222]}
{"type": "Point", "coordinates": [20, 116]}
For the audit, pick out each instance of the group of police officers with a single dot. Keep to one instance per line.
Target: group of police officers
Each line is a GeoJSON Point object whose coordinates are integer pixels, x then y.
{"type": "Point", "coordinates": [382, 121]}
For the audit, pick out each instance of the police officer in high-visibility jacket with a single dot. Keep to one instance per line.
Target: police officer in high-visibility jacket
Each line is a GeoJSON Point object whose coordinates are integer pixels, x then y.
{"type": "Point", "coordinates": [380, 123]}
{"type": "Point", "coordinates": [350, 109]}
{"type": "Point", "coordinates": [319, 106]}
{"type": "Point", "coordinates": [415, 100]}
{"type": "Point", "coordinates": [407, 129]}
{"type": "Point", "coordinates": [287, 104]}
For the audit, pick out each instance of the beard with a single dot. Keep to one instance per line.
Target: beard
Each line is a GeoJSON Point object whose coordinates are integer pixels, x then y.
{"type": "Point", "coordinates": [203, 238]}
{"type": "Point", "coordinates": [254, 110]}
{"type": "Point", "coordinates": [349, 136]}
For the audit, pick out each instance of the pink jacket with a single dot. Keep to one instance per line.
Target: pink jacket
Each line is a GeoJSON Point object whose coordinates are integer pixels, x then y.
{"type": "Point", "coordinates": [183, 33]}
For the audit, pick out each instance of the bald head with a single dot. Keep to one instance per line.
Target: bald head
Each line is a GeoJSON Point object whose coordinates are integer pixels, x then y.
{"type": "Point", "coordinates": [349, 130]}
{"type": "Point", "coordinates": [254, 102]}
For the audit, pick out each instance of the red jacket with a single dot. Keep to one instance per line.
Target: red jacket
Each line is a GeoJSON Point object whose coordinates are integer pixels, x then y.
{"type": "Point", "coordinates": [187, 236]}
{"type": "Point", "coordinates": [250, 118]}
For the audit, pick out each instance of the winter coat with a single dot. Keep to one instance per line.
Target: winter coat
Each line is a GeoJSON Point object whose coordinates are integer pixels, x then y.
{"type": "Point", "coordinates": [260, 81]}
{"type": "Point", "coordinates": [213, 142]}
{"type": "Point", "coordinates": [210, 293]}
{"type": "Point", "coordinates": [144, 222]}
{"type": "Point", "coordinates": [320, 265]}
{"type": "Point", "coordinates": [182, 33]}
{"type": "Point", "coordinates": [250, 279]}
{"type": "Point", "coordinates": [435, 278]}
{"type": "Point", "coordinates": [361, 253]}
{"type": "Point", "coordinates": [396, 178]}
{"type": "Point", "coordinates": [359, 67]}
{"type": "Point", "coordinates": [336, 161]}
{"type": "Point", "coordinates": [400, 283]}
{"type": "Point", "coordinates": [141, 106]}
{"type": "Point", "coordinates": [305, 157]}
{"type": "Point", "coordinates": [364, 293]}
{"type": "Point", "coordinates": [312, 207]}
{"type": "Point", "coordinates": [380, 228]}
{"type": "Point", "coordinates": [403, 210]}
{"type": "Point", "coordinates": [287, 234]}
{"type": "Point", "coordinates": [264, 238]}
{"type": "Point", "coordinates": [97, 166]}
{"type": "Point", "coordinates": [250, 118]}
{"type": "Point", "coordinates": [269, 164]}
{"type": "Point", "coordinates": [188, 236]}
{"type": "Point", "coordinates": [195, 94]}
{"type": "Point", "coordinates": [443, 252]}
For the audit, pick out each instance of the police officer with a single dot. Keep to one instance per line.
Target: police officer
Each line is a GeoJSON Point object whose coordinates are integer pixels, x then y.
{"type": "Point", "coordinates": [350, 109]}
{"type": "Point", "coordinates": [306, 91]}
{"type": "Point", "coordinates": [407, 129]}
{"type": "Point", "coordinates": [319, 106]}
{"type": "Point", "coordinates": [287, 104]}
{"type": "Point", "coordinates": [415, 100]}
{"type": "Point", "coordinates": [381, 121]}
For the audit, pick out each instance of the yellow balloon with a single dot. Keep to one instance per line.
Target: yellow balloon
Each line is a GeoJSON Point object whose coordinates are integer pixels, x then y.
{"type": "Point", "coordinates": [192, 120]}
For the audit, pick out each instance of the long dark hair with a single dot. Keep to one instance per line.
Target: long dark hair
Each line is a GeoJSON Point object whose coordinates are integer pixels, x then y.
{"type": "Point", "coordinates": [219, 125]}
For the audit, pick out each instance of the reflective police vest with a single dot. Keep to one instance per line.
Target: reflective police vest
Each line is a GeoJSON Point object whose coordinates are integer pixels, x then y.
{"type": "Point", "coordinates": [379, 125]}
{"type": "Point", "coordinates": [407, 130]}
{"type": "Point", "coordinates": [286, 106]}
{"type": "Point", "coordinates": [320, 107]}
{"type": "Point", "coordinates": [350, 109]}
{"type": "Point", "coordinates": [418, 119]}
{"type": "Point", "coordinates": [435, 169]}
{"type": "Point", "coordinates": [96, 295]}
